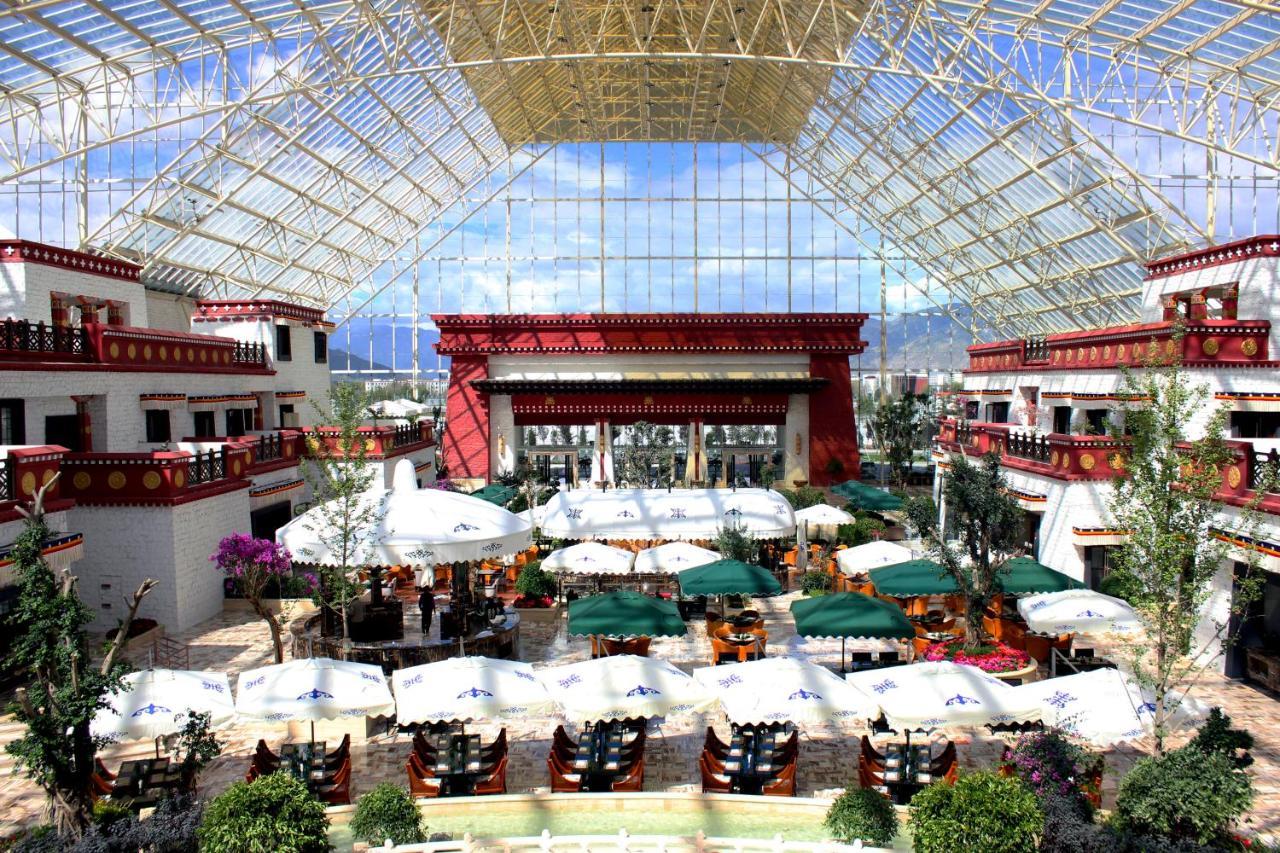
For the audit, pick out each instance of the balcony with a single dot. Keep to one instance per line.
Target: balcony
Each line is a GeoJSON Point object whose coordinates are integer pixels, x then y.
{"type": "Point", "coordinates": [380, 442]}
{"type": "Point", "coordinates": [267, 451]}
{"type": "Point", "coordinates": [1249, 473]}
{"type": "Point", "coordinates": [156, 478]}
{"type": "Point", "coordinates": [1064, 457]}
{"type": "Point", "coordinates": [1204, 343]}
{"type": "Point", "coordinates": [23, 470]}
{"type": "Point", "coordinates": [106, 347]}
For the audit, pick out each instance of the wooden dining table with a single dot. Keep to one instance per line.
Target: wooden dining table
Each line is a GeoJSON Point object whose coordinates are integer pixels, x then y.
{"type": "Point", "coordinates": [143, 783]}
{"type": "Point", "coordinates": [749, 764]}
{"type": "Point", "coordinates": [305, 762]}
{"type": "Point", "coordinates": [458, 762]}
{"type": "Point", "coordinates": [906, 769]}
{"type": "Point", "coordinates": [598, 758]}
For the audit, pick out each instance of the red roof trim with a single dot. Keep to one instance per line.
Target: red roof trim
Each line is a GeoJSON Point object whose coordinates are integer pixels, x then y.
{"type": "Point", "coordinates": [1263, 245]}
{"type": "Point", "coordinates": [30, 252]}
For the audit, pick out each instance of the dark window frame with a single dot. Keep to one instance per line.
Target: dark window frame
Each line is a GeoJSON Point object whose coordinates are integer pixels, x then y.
{"type": "Point", "coordinates": [284, 342]}
{"type": "Point", "coordinates": [320, 340]}
{"type": "Point", "coordinates": [151, 421]}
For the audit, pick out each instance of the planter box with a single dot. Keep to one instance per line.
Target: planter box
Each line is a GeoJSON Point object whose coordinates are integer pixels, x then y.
{"type": "Point", "coordinates": [538, 614]}
{"type": "Point", "coordinates": [142, 643]}
{"type": "Point", "coordinates": [298, 606]}
{"type": "Point", "coordinates": [1262, 668]}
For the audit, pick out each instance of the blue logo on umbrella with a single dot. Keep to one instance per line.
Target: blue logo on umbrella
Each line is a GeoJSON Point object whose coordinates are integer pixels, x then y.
{"type": "Point", "coordinates": [1085, 614]}
{"type": "Point", "coordinates": [677, 512]}
{"type": "Point", "coordinates": [527, 676]}
{"type": "Point", "coordinates": [463, 526]}
{"type": "Point", "coordinates": [641, 690]}
{"type": "Point", "coordinates": [1060, 699]}
{"type": "Point", "coordinates": [151, 710]}
{"type": "Point", "coordinates": [730, 681]}
{"type": "Point", "coordinates": [474, 693]}
{"type": "Point", "coordinates": [959, 699]}
{"type": "Point", "coordinates": [314, 694]}
{"type": "Point", "coordinates": [804, 694]}
{"type": "Point", "coordinates": [211, 685]}
{"type": "Point", "coordinates": [573, 513]}
{"type": "Point", "coordinates": [885, 686]}
{"type": "Point", "coordinates": [1147, 708]}
{"type": "Point", "coordinates": [566, 683]}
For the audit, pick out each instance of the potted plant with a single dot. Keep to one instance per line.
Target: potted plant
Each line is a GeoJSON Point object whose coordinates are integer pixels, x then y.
{"type": "Point", "coordinates": [535, 593]}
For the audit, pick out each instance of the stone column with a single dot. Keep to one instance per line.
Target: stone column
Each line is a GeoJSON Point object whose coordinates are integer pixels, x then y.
{"type": "Point", "coordinates": [695, 464]}
{"type": "Point", "coordinates": [602, 455]}
{"type": "Point", "coordinates": [795, 442]}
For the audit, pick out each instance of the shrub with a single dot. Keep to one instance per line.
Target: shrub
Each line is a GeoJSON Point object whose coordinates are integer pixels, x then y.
{"type": "Point", "coordinates": [803, 497]}
{"type": "Point", "coordinates": [815, 582]}
{"type": "Point", "coordinates": [1120, 584]}
{"type": "Point", "coordinates": [996, 657]}
{"type": "Point", "coordinates": [980, 813]}
{"type": "Point", "coordinates": [273, 814]}
{"type": "Point", "coordinates": [387, 812]}
{"type": "Point", "coordinates": [170, 829]}
{"type": "Point", "coordinates": [535, 582]}
{"type": "Point", "coordinates": [1050, 764]}
{"type": "Point", "coordinates": [1217, 735]}
{"type": "Point", "coordinates": [860, 532]}
{"type": "Point", "coordinates": [1183, 794]}
{"type": "Point", "coordinates": [862, 814]}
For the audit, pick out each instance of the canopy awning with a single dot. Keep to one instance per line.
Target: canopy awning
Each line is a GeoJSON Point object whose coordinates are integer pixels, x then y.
{"type": "Point", "coordinates": [415, 527]}
{"type": "Point", "coordinates": [914, 577]}
{"type": "Point", "coordinates": [589, 558]}
{"type": "Point", "coordinates": [729, 577]}
{"type": "Point", "coordinates": [863, 558]}
{"type": "Point", "coordinates": [782, 689]}
{"type": "Point", "coordinates": [495, 493]}
{"type": "Point", "coordinates": [1023, 576]}
{"type": "Point", "coordinates": [625, 613]}
{"type": "Point", "coordinates": [662, 514]}
{"type": "Point", "coordinates": [850, 614]}
{"type": "Point", "coordinates": [941, 693]}
{"type": "Point", "coordinates": [864, 496]}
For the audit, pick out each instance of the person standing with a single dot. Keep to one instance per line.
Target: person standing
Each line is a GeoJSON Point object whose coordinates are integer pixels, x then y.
{"type": "Point", "coordinates": [427, 606]}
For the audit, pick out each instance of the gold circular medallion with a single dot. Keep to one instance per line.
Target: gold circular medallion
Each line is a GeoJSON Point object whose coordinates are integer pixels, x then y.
{"type": "Point", "coordinates": [1066, 460]}
{"type": "Point", "coordinates": [204, 356]}
{"type": "Point", "coordinates": [1120, 352]}
{"type": "Point", "coordinates": [1053, 459]}
{"type": "Point", "coordinates": [1234, 477]}
{"type": "Point", "coordinates": [29, 483]}
{"type": "Point", "coordinates": [1116, 461]}
{"type": "Point", "coordinates": [164, 353]}
{"type": "Point", "coordinates": [1057, 356]}
{"type": "Point", "coordinates": [1210, 346]}
{"type": "Point", "coordinates": [132, 351]}
{"type": "Point", "coordinates": [235, 468]}
{"type": "Point", "coordinates": [116, 479]}
{"type": "Point", "coordinates": [151, 480]}
{"type": "Point", "coordinates": [81, 480]}
{"type": "Point", "coordinates": [288, 450]}
{"type": "Point", "coordinates": [1071, 356]}
{"type": "Point", "coordinates": [146, 352]}
{"type": "Point", "coordinates": [191, 354]}
{"type": "Point", "coordinates": [1169, 346]}
{"type": "Point", "coordinates": [1087, 461]}
{"type": "Point", "coordinates": [179, 478]}
{"type": "Point", "coordinates": [1093, 353]}
{"type": "Point", "coordinates": [369, 445]}
{"type": "Point", "coordinates": [1106, 352]}
{"type": "Point", "coordinates": [226, 357]}
{"type": "Point", "coordinates": [46, 476]}
{"type": "Point", "coordinates": [1153, 348]}
{"type": "Point", "coordinates": [114, 350]}
{"type": "Point", "coordinates": [1249, 347]}
{"type": "Point", "coordinates": [1080, 354]}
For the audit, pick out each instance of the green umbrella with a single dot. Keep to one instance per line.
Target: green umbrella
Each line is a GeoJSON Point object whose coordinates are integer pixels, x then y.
{"type": "Point", "coordinates": [850, 614]}
{"type": "Point", "coordinates": [914, 577]}
{"type": "Point", "coordinates": [495, 493]}
{"type": "Point", "coordinates": [625, 613]}
{"type": "Point", "coordinates": [728, 577]}
{"type": "Point", "coordinates": [863, 496]}
{"type": "Point", "coordinates": [1025, 576]}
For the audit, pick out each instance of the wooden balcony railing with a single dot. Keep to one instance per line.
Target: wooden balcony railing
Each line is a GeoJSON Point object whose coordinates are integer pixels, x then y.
{"type": "Point", "coordinates": [379, 442]}
{"type": "Point", "coordinates": [130, 347]}
{"type": "Point", "coordinates": [1068, 457]}
{"type": "Point", "coordinates": [22, 337]}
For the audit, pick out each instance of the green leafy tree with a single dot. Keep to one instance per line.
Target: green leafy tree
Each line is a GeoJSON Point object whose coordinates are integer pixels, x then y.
{"type": "Point", "coordinates": [648, 450]}
{"type": "Point", "coordinates": [48, 639]}
{"type": "Point", "coordinates": [898, 426]}
{"type": "Point", "coordinates": [981, 813]}
{"type": "Point", "coordinates": [198, 744]}
{"type": "Point", "coordinates": [862, 814]}
{"type": "Point", "coordinates": [734, 543]}
{"type": "Point", "coordinates": [1184, 794]}
{"type": "Point", "coordinates": [989, 522]}
{"type": "Point", "coordinates": [387, 812]}
{"type": "Point", "coordinates": [272, 814]}
{"type": "Point", "coordinates": [1167, 500]}
{"type": "Point", "coordinates": [341, 477]}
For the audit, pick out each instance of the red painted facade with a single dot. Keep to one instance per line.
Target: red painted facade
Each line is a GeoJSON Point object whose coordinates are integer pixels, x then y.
{"type": "Point", "coordinates": [828, 339]}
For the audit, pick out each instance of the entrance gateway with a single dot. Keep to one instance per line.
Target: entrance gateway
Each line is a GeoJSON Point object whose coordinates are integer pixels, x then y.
{"type": "Point", "coordinates": [698, 371]}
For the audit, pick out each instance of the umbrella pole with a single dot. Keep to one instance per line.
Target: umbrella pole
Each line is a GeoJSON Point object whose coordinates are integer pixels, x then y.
{"type": "Point", "coordinates": [157, 747]}
{"type": "Point", "coordinates": [842, 654]}
{"type": "Point", "coordinates": [313, 732]}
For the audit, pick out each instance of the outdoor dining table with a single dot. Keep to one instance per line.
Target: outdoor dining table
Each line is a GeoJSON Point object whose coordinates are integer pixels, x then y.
{"type": "Point", "coordinates": [305, 762]}
{"type": "Point", "coordinates": [457, 762]}
{"type": "Point", "coordinates": [143, 783]}
{"type": "Point", "coordinates": [906, 770]}
{"type": "Point", "coordinates": [598, 757]}
{"type": "Point", "coordinates": [749, 764]}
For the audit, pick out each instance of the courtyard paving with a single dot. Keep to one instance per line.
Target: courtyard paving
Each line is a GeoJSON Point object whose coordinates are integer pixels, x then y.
{"type": "Point", "coordinates": [238, 641]}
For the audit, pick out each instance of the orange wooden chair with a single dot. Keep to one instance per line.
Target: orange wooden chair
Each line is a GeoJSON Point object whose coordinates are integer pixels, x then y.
{"type": "Point", "coordinates": [495, 782]}
{"type": "Point", "coordinates": [633, 780]}
{"type": "Point", "coordinates": [337, 792]}
{"type": "Point", "coordinates": [784, 784]}
{"type": "Point", "coordinates": [713, 782]}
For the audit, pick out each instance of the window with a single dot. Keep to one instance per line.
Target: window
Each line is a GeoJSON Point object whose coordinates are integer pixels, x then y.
{"type": "Point", "coordinates": [63, 430]}
{"type": "Point", "coordinates": [1099, 560]}
{"type": "Point", "coordinates": [13, 422]}
{"type": "Point", "coordinates": [286, 415]}
{"type": "Point", "coordinates": [157, 425]}
{"type": "Point", "coordinates": [1096, 421]}
{"type": "Point", "coordinates": [284, 344]}
{"type": "Point", "coordinates": [204, 424]}
{"type": "Point", "coordinates": [321, 341]}
{"type": "Point", "coordinates": [998, 413]}
{"type": "Point", "coordinates": [239, 421]}
{"type": "Point", "coordinates": [971, 410]}
{"type": "Point", "coordinates": [1062, 419]}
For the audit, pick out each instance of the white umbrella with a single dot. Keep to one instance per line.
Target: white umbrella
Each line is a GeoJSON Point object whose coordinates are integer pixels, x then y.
{"type": "Point", "coordinates": [310, 689]}
{"type": "Point", "coordinates": [401, 408]}
{"type": "Point", "coordinates": [152, 703]}
{"type": "Point", "coordinates": [673, 557]}
{"type": "Point", "coordinates": [1105, 706]}
{"type": "Point", "coordinates": [862, 558]}
{"type": "Point", "coordinates": [941, 693]}
{"type": "Point", "coordinates": [416, 527]}
{"type": "Point", "coordinates": [823, 514]}
{"type": "Point", "coordinates": [623, 687]}
{"type": "Point", "coordinates": [1077, 611]}
{"type": "Point", "coordinates": [781, 689]}
{"type": "Point", "coordinates": [470, 688]}
{"type": "Point", "coordinates": [589, 558]}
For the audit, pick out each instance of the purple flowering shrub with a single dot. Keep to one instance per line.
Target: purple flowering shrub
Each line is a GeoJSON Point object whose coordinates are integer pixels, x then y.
{"type": "Point", "coordinates": [1051, 765]}
{"type": "Point", "coordinates": [252, 564]}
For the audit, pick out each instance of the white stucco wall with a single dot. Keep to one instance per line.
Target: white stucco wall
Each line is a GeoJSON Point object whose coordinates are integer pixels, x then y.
{"type": "Point", "coordinates": [25, 290]}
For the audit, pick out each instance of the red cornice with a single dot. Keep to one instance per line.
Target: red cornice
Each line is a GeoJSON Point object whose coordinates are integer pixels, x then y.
{"type": "Point", "coordinates": [538, 334]}
{"type": "Point", "coordinates": [225, 310]}
{"type": "Point", "coordinates": [29, 252]}
{"type": "Point", "coordinates": [1261, 246]}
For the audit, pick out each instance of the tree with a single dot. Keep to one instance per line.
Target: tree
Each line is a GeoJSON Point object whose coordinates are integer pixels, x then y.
{"type": "Point", "coordinates": [647, 451]}
{"type": "Point", "coordinates": [1166, 499]}
{"type": "Point", "coordinates": [48, 639]}
{"type": "Point", "coordinates": [989, 522]}
{"type": "Point", "coordinates": [341, 478]}
{"type": "Point", "coordinates": [254, 563]}
{"type": "Point", "coordinates": [198, 744]}
{"type": "Point", "coordinates": [897, 426]}
{"type": "Point", "coordinates": [273, 813]}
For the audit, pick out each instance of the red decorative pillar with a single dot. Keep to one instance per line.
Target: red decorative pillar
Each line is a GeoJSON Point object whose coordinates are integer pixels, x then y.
{"type": "Point", "coordinates": [88, 310]}
{"type": "Point", "coordinates": [465, 443]}
{"type": "Point", "coordinates": [1230, 302]}
{"type": "Point", "coordinates": [1199, 308]}
{"type": "Point", "coordinates": [58, 311]}
{"type": "Point", "coordinates": [84, 423]}
{"type": "Point", "coordinates": [115, 313]}
{"type": "Point", "coordinates": [833, 439]}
